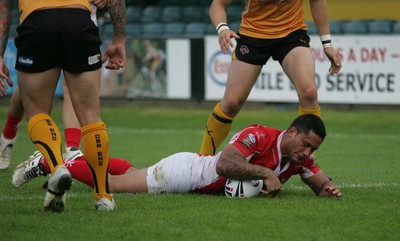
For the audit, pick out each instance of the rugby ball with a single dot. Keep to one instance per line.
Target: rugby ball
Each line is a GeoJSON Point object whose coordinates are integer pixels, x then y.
{"type": "Point", "coordinates": [243, 189]}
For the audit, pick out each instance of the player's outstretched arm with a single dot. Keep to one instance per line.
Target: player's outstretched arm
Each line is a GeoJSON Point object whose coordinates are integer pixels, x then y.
{"type": "Point", "coordinates": [322, 186]}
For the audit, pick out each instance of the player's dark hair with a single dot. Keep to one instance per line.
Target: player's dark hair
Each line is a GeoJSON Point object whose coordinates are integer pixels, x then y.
{"type": "Point", "coordinates": [307, 122]}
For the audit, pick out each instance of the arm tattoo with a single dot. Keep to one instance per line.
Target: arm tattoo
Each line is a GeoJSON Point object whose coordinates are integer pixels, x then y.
{"type": "Point", "coordinates": [235, 166]}
{"type": "Point", "coordinates": [5, 23]}
{"type": "Point", "coordinates": [117, 11]}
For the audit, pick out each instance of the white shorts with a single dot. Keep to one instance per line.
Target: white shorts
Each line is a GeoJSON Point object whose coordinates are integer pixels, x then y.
{"type": "Point", "coordinates": [181, 173]}
{"type": "Point", "coordinates": [172, 174]}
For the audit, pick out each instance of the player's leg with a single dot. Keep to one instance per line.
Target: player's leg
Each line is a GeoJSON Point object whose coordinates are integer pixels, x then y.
{"type": "Point", "coordinates": [172, 174]}
{"type": "Point", "coordinates": [36, 166]}
{"type": "Point", "coordinates": [299, 66]}
{"type": "Point", "coordinates": [82, 69]}
{"type": "Point", "coordinates": [72, 128]}
{"type": "Point", "coordinates": [241, 78]}
{"type": "Point", "coordinates": [94, 133]}
{"type": "Point", "coordinates": [37, 93]}
{"type": "Point", "coordinates": [119, 166]}
{"type": "Point", "coordinates": [8, 137]}
{"type": "Point", "coordinates": [80, 171]}
{"type": "Point", "coordinates": [130, 182]}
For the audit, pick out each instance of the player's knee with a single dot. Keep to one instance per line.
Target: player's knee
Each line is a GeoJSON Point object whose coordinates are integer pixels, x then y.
{"type": "Point", "coordinates": [308, 94]}
{"type": "Point", "coordinates": [231, 107]}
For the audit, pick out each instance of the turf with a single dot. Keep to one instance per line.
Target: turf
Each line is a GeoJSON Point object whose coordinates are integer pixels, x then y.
{"type": "Point", "coordinates": [361, 152]}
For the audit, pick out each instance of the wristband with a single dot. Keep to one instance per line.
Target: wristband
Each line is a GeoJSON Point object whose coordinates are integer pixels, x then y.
{"type": "Point", "coordinates": [221, 26]}
{"type": "Point", "coordinates": [327, 45]}
{"type": "Point", "coordinates": [326, 41]}
{"type": "Point", "coordinates": [325, 37]}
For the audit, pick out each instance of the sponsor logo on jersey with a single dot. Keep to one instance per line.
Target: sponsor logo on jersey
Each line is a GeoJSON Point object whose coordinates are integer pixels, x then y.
{"type": "Point", "coordinates": [94, 59]}
{"type": "Point", "coordinates": [248, 141]}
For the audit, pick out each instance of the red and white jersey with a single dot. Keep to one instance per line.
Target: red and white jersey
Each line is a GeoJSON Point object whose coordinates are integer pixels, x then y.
{"type": "Point", "coordinates": [261, 146]}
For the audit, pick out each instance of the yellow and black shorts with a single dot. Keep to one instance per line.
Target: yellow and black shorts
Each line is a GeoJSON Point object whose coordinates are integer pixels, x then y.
{"type": "Point", "coordinates": [257, 51]}
{"type": "Point", "coordinates": [65, 37]}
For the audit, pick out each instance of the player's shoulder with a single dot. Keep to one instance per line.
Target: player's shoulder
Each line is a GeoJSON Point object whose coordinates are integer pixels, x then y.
{"type": "Point", "coordinates": [257, 131]}
{"type": "Point", "coordinates": [263, 128]}
{"type": "Point", "coordinates": [256, 126]}
{"type": "Point", "coordinates": [261, 132]}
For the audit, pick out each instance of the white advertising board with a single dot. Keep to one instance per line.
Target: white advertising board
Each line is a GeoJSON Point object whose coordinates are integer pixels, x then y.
{"type": "Point", "coordinates": [370, 72]}
{"type": "Point", "coordinates": [178, 69]}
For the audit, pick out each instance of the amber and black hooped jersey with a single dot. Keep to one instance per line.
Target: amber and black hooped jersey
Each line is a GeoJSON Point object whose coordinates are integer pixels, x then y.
{"type": "Point", "coordinates": [272, 19]}
{"type": "Point", "coordinates": [26, 7]}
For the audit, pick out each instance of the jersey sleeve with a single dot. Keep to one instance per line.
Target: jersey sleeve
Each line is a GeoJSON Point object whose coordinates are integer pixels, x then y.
{"type": "Point", "coordinates": [250, 140]}
{"type": "Point", "coordinates": [309, 168]}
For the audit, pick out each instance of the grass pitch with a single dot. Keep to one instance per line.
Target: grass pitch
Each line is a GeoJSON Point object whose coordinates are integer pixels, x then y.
{"type": "Point", "coordinates": [361, 152]}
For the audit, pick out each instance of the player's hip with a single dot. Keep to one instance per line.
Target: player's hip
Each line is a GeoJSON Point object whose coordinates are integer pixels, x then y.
{"type": "Point", "coordinates": [257, 51]}
{"type": "Point", "coordinates": [181, 173]}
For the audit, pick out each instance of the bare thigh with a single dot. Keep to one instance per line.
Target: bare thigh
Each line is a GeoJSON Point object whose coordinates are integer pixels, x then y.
{"type": "Point", "coordinates": [241, 79]}
{"type": "Point", "coordinates": [299, 66]}
{"type": "Point", "coordinates": [129, 182]}
{"type": "Point", "coordinates": [37, 91]}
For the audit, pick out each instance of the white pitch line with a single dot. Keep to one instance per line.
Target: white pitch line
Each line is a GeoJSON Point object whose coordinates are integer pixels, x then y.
{"type": "Point", "coordinates": [346, 185]}
{"type": "Point", "coordinates": [364, 136]}
{"type": "Point", "coordinates": [121, 130]}
{"type": "Point", "coordinates": [118, 130]}
{"type": "Point", "coordinates": [124, 130]}
{"type": "Point", "coordinates": [36, 197]}
{"type": "Point", "coordinates": [73, 195]}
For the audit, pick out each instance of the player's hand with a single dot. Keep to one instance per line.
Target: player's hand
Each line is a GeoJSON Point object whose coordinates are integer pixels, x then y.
{"type": "Point", "coordinates": [272, 185]}
{"type": "Point", "coordinates": [98, 3]}
{"type": "Point", "coordinates": [225, 41]}
{"type": "Point", "coordinates": [330, 191]}
{"type": "Point", "coordinates": [5, 77]}
{"type": "Point", "coordinates": [335, 59]}
{"type": "Point", "coordinates": [115, 54]}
